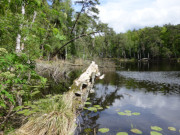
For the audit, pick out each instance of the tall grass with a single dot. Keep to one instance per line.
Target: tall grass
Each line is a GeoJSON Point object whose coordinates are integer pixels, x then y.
{"type": "Point", "coordinates": [54, 116]}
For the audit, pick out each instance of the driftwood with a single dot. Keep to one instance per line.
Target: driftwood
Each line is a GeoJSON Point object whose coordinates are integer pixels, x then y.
{"type": "Point", "coordinates": [84, 84]}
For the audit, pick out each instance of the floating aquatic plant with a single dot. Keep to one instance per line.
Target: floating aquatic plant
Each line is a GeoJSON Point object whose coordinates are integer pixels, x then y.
{"type": "Point", "coordinates": [156, 128]}
{"type": "Point", "coordinates": [121, 113]}
{"type": "Point", "coordinates": [172, 128]}
{"type": "Point", "coordinates": [128, 113]}
{"type": "Point", "coordinates": [103, 130]}
{"type": "Point", "coordinates": [122, 133]}
{"type": "Point", "coordinates": [107, 106]}
{"type": "Point", "coordinates": [136, 113]}
{"type": "Point", "coordinates": [155, 133]}
{"type": "Point", "coordinates": [87, 103]}
{"type": "Point", "coordinates": [136, 131]}
{"type": "Point", "coordinates": [97, 106]}
{"type": "Point", "coordinates": [88, 130]}
{"type": "Point", "coordinates": [94, 109]}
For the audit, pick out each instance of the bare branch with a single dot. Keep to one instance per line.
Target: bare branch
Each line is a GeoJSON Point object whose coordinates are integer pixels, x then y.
{"type": "Point", "coordinates": [83, 35]}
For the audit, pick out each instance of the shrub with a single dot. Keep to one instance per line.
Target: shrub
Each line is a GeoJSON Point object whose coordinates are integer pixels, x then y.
{"type": "Point", "coordinates": [18, 82]}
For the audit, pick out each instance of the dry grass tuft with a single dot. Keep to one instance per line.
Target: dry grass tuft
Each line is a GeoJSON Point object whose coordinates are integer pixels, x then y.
{"type": "Point", "coordinates": [54, 69]}
{"type": "Point", "coordinates": [56, 116]}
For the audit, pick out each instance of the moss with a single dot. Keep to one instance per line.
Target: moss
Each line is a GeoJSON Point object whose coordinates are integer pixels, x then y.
{"type": "Point", "coordinates": [74, 87]}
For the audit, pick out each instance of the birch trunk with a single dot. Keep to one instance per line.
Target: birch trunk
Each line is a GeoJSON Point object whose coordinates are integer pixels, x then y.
{"type": "Point", "coordinates": [18, 39]}
{"type": "Point", "coordinates": [34, 17]}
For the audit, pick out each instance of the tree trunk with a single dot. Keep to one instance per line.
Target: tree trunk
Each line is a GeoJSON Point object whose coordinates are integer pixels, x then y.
{"type": "Point", "coordinates": [148, 55]}
{"type": "Point", "coordinates": [18, 39]}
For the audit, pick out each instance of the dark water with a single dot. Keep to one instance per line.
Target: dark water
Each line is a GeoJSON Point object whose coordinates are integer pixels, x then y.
{"type": "Point", "coordinates": [152, 90]}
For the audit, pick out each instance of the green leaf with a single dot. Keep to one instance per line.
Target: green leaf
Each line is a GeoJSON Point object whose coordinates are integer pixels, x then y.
{"type": "Point", "coordinates": [128, 114]}
{"type": "Point", "coordinates": [155, 133]}
{"type": "Point", "coordinates": [18, 108]}
{"type": "Point", "coordinates": [47, 47]}
{"type": "Point", "coordinates": [107, 107]}
{"type": "Point", "coordinates": [156, 128]}
{"type": "Point", "coordinates": [2, 104]}
{"type": "Point", "coordinates": [172, 128]}
{"type": "Point", "coordinates": [92, 109]}
{"type": "Point", "coordinates": [103, 130]}
{"type": "Point", "coordinates": [100, 108]}
{"type": "Point", "coordinates": [122, 133]}
{"type": "Point", "coordinates": [60, 37]}
{"type": "Point", "coordinates": [127, 111]}
{"type": "Point", "coordinates": [121, 113]}
{"type": "Point", "coordinates": [38, 2]}
{"type": "Point", "coordinates": [34, 93]}
{"type": "Point", "coordinates": [97, 106]}
{"type": "Point", "coordinates": [87, 103]}
{"type": "Point", "coordinates": [136, 131]}
{"type": "Point", "coordinates": [88, 130]}
{"type": "Point", "coordinates": [135, 113]}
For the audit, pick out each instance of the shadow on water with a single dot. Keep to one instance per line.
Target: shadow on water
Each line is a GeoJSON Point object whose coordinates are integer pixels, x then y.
{"type": "Point", "coordinates": [153, 92]}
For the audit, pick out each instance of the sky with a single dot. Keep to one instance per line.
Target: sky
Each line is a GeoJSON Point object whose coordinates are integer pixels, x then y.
{"type": "Point", "coordinates": [124, 15]}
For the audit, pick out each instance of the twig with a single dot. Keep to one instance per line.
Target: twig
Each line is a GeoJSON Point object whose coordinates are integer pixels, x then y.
{"type": "Point", "coordinates": [7, 116]}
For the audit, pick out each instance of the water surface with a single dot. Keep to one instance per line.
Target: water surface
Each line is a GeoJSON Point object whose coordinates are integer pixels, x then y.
{"type": "Point", "coordinates": [153, 91]}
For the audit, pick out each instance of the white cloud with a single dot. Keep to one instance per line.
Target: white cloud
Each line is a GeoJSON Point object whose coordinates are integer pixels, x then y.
{"type": "Point", "coordinates": [123, 15]}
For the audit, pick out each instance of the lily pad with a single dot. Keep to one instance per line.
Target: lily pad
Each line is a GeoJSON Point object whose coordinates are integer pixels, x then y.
{"type": "Point", "coordinates": [92, 109]}
{"type": "Point", "coordinates": [156, 128]}
{"type": "Point", "coordinates": [122, 133]}
{"type": "Point", "coordinates": [107, 106]}
{"type": "Point", "coordinates": [136, 131]}
{"type": "Point", "coordinates": [87, 103]}
{"type": "Point", "coordinates": [155, 133]}
{"type": "Point", "coordinates": [97, 106]}
{"type": "Point", "coordinates": [88, 130]}
{"type": "Point", "coordinates": [85, 108]}
{"type": "Point", "coordinates": [103, 130]}
{"type": "Point", "coordinates": [121, 113]}
{"type": "Point", "coordinates": [172, 128]}
{"type": "Point", "coordinates": [127, 111]}
{"type": "Point", "coordinates": [136, 113]}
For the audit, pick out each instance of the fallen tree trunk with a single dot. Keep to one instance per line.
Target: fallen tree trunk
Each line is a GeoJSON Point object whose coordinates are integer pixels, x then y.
{"type": "Point", "coordinates": [82, 85]}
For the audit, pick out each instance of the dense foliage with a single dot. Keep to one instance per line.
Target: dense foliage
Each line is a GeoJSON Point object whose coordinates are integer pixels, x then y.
{"type": "Point", "coordinates": [18, 83]}
{"type": "Point", "coordinates": [156, 42]}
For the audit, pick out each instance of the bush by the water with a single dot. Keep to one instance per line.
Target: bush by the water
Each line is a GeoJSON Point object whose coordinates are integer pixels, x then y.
{"type": "Point", "coordinates": [18, 83]}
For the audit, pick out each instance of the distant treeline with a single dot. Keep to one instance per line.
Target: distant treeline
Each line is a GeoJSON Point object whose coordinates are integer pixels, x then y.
{"type": "Point", "coordinates": [155, 42]}
{"type": "Point", "coordinates": [48, 28]}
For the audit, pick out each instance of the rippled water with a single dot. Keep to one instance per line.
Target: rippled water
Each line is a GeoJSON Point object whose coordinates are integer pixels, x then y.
{"type": "Point", "coordinates": [153, 94]}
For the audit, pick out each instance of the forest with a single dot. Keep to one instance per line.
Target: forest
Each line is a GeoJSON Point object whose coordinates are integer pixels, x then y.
{"type": "Point", "coordinates": [44, 29]}
{"type": "Point", "coordinates": [52, 29]}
